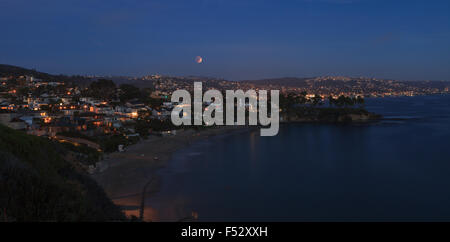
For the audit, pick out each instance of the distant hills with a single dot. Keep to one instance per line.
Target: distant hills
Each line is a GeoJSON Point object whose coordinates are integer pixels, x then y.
{"type": "Point", "coordinates": [308, 83]}
{"type": "Point", "coordinates": [20, 71]}
{"type": "Point", "coordinates": [331, 80]}
{"type": "Point", "coordinates": [357, 86]}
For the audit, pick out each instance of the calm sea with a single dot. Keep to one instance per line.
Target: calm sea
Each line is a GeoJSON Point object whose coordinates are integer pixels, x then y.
{"type": "Point", "coordinates": [396, 169]}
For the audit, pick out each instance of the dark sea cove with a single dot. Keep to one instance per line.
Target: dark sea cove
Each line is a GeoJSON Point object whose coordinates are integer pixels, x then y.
{"type": "Point", "coordinates": [397, 169]}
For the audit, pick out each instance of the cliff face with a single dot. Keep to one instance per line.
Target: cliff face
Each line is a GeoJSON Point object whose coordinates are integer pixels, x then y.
{"type": "Point", "coordinates": [38, 184]}
{"type": "Point", "coordinates": [329, 115]}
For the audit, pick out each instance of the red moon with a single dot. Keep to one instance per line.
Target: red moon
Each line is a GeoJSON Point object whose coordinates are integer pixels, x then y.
{"type": "Point", "coordinates": [198, 59]}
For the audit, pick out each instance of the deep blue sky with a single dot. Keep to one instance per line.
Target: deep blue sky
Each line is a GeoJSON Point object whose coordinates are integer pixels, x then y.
{"type": "Point", "coordinates": [239, 39]}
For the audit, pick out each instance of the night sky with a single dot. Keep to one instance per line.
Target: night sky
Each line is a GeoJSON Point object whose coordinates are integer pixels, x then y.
{"type": "Point", "coordinates": [238, 39]}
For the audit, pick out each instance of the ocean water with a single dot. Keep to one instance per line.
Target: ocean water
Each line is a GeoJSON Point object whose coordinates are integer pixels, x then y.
{"type": "Point", "coordinates": [397, 169]}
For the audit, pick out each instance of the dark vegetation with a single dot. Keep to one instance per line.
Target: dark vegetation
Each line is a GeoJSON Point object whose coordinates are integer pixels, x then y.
{"type": "Point", "coordinates": [108, 143]}
{"type": "Point", "coordinates": [84, 154]}
{"type": "Point", "coordinates": [105, 89]}
{"type": "Point", "coordinates": [102, 89]}
{"type": "Point", "coordinates": [38, 184]}
{"type": "Point", "coordinates": [9, 70]}
{"type": "Point", "coordinates": [329, 115]}
{"type": "Point", "coordinates": [296, 107]}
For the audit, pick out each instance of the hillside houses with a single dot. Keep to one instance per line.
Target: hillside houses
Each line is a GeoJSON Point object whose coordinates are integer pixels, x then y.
{"type": "Point", "coordinates": [47, 108]}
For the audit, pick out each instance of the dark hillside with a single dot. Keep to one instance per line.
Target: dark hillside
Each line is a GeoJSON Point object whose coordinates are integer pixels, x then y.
{"type": "Point", "coordinates": [37, 184]}
{"type": "Point", "coordinates": [9, 70]}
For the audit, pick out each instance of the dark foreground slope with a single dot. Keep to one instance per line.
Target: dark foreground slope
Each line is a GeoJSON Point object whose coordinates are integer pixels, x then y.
{"type": "Point", "coordinates": [38, 184]}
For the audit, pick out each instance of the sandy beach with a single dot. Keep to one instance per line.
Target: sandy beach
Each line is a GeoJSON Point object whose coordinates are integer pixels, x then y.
{"type": "Point", "coordinates": [131, 172]}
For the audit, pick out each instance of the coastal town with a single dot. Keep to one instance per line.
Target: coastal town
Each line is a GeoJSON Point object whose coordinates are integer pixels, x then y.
{"type": "Point", "coordinates": [101, 115]}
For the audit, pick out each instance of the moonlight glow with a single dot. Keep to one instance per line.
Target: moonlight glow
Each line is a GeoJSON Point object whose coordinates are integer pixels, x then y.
{"type": "Point", "coordinates": [198, 59]}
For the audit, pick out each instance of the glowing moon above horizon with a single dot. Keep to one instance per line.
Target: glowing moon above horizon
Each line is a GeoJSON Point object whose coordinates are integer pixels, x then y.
{"type": "Point", "coordinates": [198, 59]}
